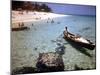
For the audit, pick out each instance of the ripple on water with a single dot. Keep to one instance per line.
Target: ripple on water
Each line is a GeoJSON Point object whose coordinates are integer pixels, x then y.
{"type": "Point", "coordinates": [47, 37]}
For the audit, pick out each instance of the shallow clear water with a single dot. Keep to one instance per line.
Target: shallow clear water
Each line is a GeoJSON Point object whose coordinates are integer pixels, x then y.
{"type": "Point", "coordinates": [46, 37]}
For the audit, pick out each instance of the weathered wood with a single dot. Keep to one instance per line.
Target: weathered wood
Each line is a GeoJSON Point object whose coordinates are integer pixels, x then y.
{"type": "Point", "coordinates": [50, 62]}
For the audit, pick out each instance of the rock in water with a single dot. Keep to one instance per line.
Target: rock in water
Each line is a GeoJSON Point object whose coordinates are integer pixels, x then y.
{"type": "Point", "coordinates": [50, 62]}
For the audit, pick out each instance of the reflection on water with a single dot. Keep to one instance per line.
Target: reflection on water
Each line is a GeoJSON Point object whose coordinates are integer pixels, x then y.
{"type": "Point", "coordinates": [45, 36]}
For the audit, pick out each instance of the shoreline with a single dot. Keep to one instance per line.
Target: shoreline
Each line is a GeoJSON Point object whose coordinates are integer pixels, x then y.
{"type": "Point", "coordinates": [18, 17]}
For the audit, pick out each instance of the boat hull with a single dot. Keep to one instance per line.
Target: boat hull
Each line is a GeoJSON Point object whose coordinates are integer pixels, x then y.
{"type": "Point", "coordinates": [19, 28]}
{"type": "Point", "coordinates": [79, 43]}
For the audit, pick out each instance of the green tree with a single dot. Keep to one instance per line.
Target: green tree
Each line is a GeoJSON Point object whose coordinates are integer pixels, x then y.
{"type": "Point", "coordinates": [17, 4]}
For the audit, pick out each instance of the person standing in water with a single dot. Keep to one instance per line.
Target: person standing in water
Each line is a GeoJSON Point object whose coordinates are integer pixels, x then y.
{"type": "Point", "coordinates": [66, 31]}
{"type": "Point", "coordinates": [66, 28]}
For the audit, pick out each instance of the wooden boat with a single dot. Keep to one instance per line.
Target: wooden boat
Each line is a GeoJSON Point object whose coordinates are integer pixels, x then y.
{"type": "Point", "coordinates": [20, 28]}
{"type": "Point", "coordinates": [80, 41]}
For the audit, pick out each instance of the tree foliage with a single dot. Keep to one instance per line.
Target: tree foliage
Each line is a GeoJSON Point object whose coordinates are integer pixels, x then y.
{"type": "Point", "coordinates": [30, 6]}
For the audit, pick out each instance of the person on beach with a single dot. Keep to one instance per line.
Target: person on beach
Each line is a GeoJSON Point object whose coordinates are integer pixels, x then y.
{"type": "Point", "coordinates": [22, 24]}
{"type": "Point", "coordinates": [19, 24]}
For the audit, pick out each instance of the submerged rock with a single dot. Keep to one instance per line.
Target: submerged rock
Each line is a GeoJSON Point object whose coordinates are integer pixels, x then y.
{"type": "Point", "coordinates": [47, 62]}
{"type": "Point", "coordinates": [50, 62]}
{"type": "Point", "coordinates": [60, 49]}
{"type": "Point", "coordinates": [35, 48]}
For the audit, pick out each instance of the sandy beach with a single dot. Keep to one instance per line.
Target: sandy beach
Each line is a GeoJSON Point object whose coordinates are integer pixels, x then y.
{"type": "Point", "coordinates": [19, 17]}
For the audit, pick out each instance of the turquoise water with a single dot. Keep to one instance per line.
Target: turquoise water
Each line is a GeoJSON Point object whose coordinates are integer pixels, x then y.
{"type": "Point", "coordinates": [45, 36]}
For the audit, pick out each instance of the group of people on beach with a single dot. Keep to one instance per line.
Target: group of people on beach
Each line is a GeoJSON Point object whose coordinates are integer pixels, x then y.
{"type": "Point", "coordinates": [21, 24]}
{"type": "Point", "coordinates": [51, 21]}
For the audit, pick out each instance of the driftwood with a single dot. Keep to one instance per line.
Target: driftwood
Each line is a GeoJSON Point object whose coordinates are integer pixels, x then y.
{"type": "Point", "coordinates": [50, 62]}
